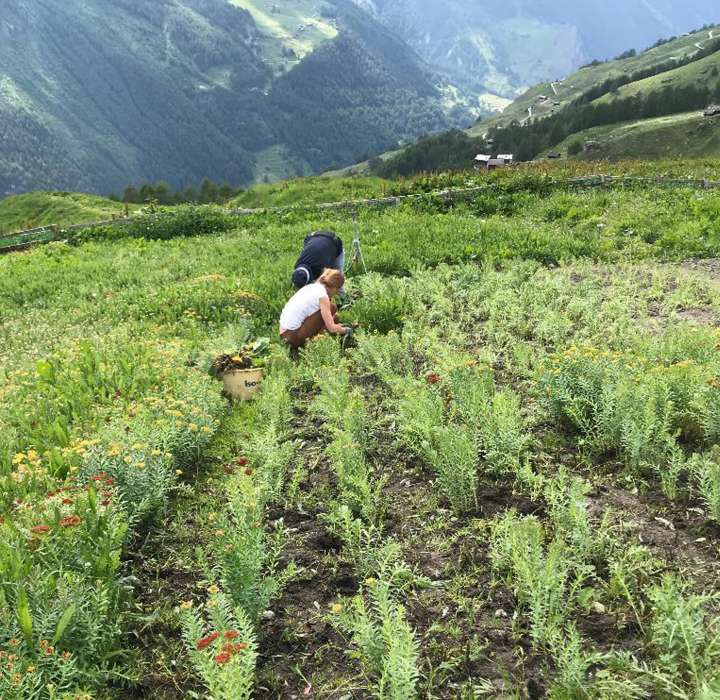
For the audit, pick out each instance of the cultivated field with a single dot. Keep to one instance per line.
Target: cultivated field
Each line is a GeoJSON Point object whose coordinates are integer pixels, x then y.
{"type": "Point", "coordinates": [509, 487]}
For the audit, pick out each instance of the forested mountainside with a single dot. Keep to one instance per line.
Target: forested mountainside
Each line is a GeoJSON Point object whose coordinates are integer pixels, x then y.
{"type": "Point", "coordinates": [96, 95]}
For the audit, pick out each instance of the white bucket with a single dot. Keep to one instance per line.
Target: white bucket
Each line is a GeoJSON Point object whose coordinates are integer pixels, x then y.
{"type": "Point", "coordinates": [242, 384]}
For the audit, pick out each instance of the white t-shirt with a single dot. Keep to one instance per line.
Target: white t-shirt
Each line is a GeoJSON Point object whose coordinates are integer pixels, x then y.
{"type": "Point", "coordinates": [305, 302]}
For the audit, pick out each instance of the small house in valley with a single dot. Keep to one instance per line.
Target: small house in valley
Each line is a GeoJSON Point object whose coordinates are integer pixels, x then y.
{"type": "Point", "coordinates": [486, 162]}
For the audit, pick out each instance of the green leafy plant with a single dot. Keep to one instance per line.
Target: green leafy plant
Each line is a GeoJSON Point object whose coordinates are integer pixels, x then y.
{"type": "Point", "coordinates": [247, 557]}
{"type": "Point", "coordinates": [384, 642]}
{"type": "Point", "coordinates": [223, 650]}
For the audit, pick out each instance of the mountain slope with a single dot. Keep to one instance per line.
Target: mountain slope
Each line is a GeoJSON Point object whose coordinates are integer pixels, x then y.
{"type": "Point", "coordinates": [503, 47]}
{"type": "Point", "coordinates": [95, 95]}
{"type": "Point", "coordinates": [620, 107]}
{"type": "Point", "coordinates": [689, 135]}
{"type": "Point", "coordinates": [561, 93]}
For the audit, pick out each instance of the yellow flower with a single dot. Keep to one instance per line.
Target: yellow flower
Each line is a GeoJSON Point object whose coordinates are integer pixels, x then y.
{"type": "Point", "coordinates": [19, 457]}
{"type": "Point", "coordinates": [213, 589]}
{"type": "Point", "coordinates": [156, 453]}
{"type": "Point", "coordinates": [336, 608]}
{"type": "Point", "coordinates": [141, 465]}
{"type": "Point", "coordinates": [127, 460]}
{"type": "Point", "coordinates": [32, 455]}
{"type": "Point", "coordinates": [205, 429]}
{"type": "Point", "coordinates": [193, 428]}
{"type": "Point", "coordinates": [211, 603]}
{"type": "Point", "coordinates": [186, 605]}
{"type": "Point", "coordinates": [31, 669]}
{"type": "Point", "coordinates": [178, 472]}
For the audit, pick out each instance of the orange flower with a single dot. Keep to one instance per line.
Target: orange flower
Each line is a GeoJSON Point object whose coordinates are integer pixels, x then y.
{"type": "Point", "coordinates": [70, 521]}
{"type": "Point", "coordinates": [40, 529]}
{"type": "Point", "coordinates": [232, 634]}
{"type": "Point", "coordinates": [222, 658]}
{"type": "Point", "coordinates": [67, 501]}
{"type": "Point", "coordinates": [207, 641]}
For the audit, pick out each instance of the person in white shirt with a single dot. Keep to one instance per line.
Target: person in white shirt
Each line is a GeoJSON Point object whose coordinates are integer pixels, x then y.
{"type": "Point", "coordinates": [310, 310]}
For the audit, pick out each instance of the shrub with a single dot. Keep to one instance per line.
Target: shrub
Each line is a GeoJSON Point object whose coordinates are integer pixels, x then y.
{"type": "Point", "coordinates": [184, 220]}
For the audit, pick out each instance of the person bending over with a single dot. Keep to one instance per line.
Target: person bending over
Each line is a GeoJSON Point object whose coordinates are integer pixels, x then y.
{"type": "Point", "coordinates": [310, 310]}
{"type": "Point", "coordinates": [321, 250]}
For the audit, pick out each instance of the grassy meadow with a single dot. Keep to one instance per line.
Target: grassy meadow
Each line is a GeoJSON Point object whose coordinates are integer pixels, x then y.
{"type": "Point", "coordinates": [509, 486]}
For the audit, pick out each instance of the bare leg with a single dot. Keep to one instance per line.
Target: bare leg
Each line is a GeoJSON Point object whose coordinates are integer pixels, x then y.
{"type": "Point", "coordinates": [311, 326]}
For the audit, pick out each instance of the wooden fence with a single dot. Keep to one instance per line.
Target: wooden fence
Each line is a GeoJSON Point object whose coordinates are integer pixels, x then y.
{"type": "Point", "coordinates": [45, 234]}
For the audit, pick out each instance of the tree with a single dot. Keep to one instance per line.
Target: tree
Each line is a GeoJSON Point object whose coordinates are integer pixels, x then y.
{"type": "Point", "coordinates": [131, 195]}
{"type": "Point", "coordinates": [574, 147]}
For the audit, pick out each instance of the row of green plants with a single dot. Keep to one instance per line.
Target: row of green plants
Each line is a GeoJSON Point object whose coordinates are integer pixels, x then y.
{"type": "Point", "coordinates": [241, 562]}
{"type": "Point", "coordinates": [93, 451]}
{"type": "Point", "coordinates": [658, 413]}
{"type": "Point", "coordinates": [570, 563]}
{"type": "Point", "coordinates": [374, 620]}
{"type": "Point", "coordinates": [649, 397]}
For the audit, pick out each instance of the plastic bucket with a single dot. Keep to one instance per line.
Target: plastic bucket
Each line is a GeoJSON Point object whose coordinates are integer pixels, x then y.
{"type": "Point", "coordinates": [242, 384]}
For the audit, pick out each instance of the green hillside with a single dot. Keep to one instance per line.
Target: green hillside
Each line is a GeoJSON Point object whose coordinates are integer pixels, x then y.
{"type": "Point", "coordinates": [689, 135]}
{"type": "Point", "coordinates": [311, 190]}
{"type": "Point", "coordinates": [291, 30]}
{"type": "Point", "coordinates": [573, 87]}
{"type": "Point", "coordinates": [608, 102]}
{"type": "Point", "coordinates": [62, 208]}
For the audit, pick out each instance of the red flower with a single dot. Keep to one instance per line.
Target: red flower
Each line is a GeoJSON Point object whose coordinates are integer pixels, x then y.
{"type": "Point", "coordinates": [109, 481]}
{"type": "Point", "coordinates": [232, 634]}
{"type": "Point", "coordinates": [222, 658]}
{"type": "Point", "coordinates": [70, 521]}
{"type": "Point", "coordinates": [432, 378]}
{"type": "Point", "coordinates": [239, 646]}
{"type": "Point", "coordinates": [67, 501]}
{"type": "Point", "coordinates": [207, 641]}
{"type": "Point", "coordinates": [248, 472]}
{"type": "Point", "coordinates": [105, 502]}
{"type": "Point", "coordinates": [242, 461]}
{"type": "Point", "coordinates": [40, 529]}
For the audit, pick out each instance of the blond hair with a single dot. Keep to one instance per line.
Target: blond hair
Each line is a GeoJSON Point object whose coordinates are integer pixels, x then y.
{"type": "Point", "coordinates": [332, 278]}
